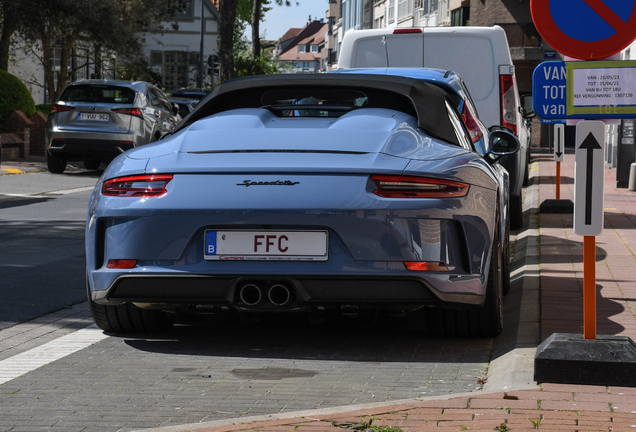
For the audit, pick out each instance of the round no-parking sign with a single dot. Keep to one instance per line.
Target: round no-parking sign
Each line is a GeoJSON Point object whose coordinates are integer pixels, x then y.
{"type": "Point", "coordinates": [585, 29]}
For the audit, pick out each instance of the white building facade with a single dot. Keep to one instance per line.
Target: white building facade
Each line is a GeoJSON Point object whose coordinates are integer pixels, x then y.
{"type": "Point", "coordinates": [174, 54]}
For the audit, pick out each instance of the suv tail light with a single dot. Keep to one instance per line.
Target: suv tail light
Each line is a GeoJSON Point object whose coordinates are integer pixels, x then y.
{"type": "Point", "coordinates": [508, 112]}
{"type": "Point", "coordinates": [471, 123]}
{"type": "Point", "coordinates": [137, 186]}
{"type": "Point", "coordinates": [417, 187]}
{"type": "Point", "coordinates": [60, 108]}
{"type": "Point", "coordinates": [136, 112]}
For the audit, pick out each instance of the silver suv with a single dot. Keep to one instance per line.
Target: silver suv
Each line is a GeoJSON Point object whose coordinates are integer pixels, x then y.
{"type": "Point", "coordinates": [95, 120]}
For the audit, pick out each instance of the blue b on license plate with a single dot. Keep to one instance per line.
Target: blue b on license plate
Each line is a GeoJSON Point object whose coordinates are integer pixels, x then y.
{"type": "Point", "coordinates": [266, 245]}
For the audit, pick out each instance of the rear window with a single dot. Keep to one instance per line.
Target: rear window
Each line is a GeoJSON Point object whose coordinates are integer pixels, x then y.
{"type": "Point", "coordinates": [313, 102]}
{"type": "Point", "coordinates": [98, 93]}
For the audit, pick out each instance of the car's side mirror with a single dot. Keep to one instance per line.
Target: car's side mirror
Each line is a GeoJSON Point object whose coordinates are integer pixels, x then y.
{"type": "Point", "coordinates": [527, 111]}
{"type": "Point", "coordinates": [502, 143]}
{"type": "Point", "coordinates": [175, 109]}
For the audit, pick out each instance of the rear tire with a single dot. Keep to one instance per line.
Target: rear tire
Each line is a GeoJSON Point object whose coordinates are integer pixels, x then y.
{"type": "Point", "coordinates": [92, 164]}
{"type": "Point", "coordinates": [127, 318]}
{"type": "Point", "coordinates": [484, 322]}
{"type": "Point", "coordinates": [56, 164]}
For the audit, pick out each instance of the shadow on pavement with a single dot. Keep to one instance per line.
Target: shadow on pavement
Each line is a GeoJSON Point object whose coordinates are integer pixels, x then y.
{"type": "Point", "coordinates": [364, 338]}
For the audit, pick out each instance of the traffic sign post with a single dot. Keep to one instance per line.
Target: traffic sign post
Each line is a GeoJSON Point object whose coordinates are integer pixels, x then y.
{"type": "Point", "coordinates": [559, 150]}
{"type": "Point", "coordinates": [588, 209]}
{"type": "Point", "coordinates": [586, 30]}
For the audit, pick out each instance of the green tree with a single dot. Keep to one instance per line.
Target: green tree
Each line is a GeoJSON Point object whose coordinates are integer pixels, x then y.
{"type": "Point", "coordinates": [110, 26]}
{"type": "Point", "coordinates": [14, 14]}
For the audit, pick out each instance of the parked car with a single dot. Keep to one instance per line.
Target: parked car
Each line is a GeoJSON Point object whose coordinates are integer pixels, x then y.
{"type": "Point", "coordinates": [95, 120]}
{"type": "Point", "coordinates": [191, 93]}
{"type": "Point", "coordinates": [480, 55]}
{"type": "Point", "coordinates": [186, 105]}
{"type": "Point", "coordinates": [314, 193]}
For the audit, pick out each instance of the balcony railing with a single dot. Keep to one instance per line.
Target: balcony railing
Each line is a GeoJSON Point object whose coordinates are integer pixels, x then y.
{"type": "Point", "coordinates": [405, 9]}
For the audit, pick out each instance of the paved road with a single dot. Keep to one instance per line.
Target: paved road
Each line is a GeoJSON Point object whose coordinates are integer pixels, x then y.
{"type": "Point", "coordinates": [217, 368]}
{"type": "Point", "coordinates": [42, 243]}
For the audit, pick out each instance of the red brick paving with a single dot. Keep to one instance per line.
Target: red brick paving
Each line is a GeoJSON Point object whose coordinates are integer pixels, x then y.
{"type": "Point", "coordinates": [553, 407]}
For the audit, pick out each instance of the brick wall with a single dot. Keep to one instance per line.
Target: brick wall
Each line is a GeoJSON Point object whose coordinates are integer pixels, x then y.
{"type": "Point", "coordinates": [25, 134]}
{"type": "Point", "coordinates": [37, 133]}
{"type": "Point", "coordinates": [20, 124]}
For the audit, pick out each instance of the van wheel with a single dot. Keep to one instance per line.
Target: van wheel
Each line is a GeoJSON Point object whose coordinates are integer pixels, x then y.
{"type": "Point", "coordinates": [127, 318]}
{"type": "Point", "coordinates": [56, 164]}
{"type": "Point", "coordinates": [526, 174]}
{"type": "Point", "coordinates": [516, 211]}
{"type": "Point", "coordinates": [505, 264]}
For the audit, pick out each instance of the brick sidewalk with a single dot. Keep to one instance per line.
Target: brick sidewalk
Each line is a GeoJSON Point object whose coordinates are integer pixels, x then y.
{"type": "Point", "coordinates": [562, 258]}
{"type": "Point", "coordinates": [551, 407]}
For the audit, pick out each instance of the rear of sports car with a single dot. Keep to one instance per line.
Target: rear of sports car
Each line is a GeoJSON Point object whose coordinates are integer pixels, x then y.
{"type": "Point", "coordinates": [277, 213]}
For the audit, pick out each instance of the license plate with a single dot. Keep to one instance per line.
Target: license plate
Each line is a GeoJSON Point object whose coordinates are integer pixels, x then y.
{"type": "Point", "coordinates": [93, 117]}
{"type": "Point", "coordinates": [266, 245]}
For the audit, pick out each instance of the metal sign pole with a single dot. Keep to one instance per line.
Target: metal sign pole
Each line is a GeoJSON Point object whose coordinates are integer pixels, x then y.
{"type": "Point", "coordinates": [589, 287]}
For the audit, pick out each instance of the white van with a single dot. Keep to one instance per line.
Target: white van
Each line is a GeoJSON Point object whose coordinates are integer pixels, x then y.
{"type": "Point", "coordinates": [480, 55]}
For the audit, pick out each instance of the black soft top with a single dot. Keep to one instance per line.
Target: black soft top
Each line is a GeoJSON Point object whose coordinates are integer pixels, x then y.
{"type": "Point", "coordinates": [422, 100]}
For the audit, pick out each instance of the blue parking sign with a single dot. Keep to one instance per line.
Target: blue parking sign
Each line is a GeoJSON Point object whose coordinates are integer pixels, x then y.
{"type": "Point", "coordinates": [549, 91]}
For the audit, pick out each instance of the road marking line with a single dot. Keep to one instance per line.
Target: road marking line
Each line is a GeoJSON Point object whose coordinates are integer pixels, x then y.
{"type": "Point", "coordinates": [35, 358]}
{"type": "Point", "coordinates": [67, 191]}
{"type": "Point", "coordinates": [57, 192]}
{"type": "Point", "coordinates": [12, 170]}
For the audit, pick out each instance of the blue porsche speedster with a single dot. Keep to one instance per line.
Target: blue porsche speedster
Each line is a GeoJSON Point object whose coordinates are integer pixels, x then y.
{"type": "Point", "coordinates": [305, 194]}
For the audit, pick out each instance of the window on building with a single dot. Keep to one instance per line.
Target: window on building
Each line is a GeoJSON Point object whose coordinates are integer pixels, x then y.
{"type": "Point", "coordinates": [182, 8]}
{"type": "Point", "coordinates": [175, 70]}
{"type": "Point", "coordinates": [430, 7]}
{"type": "Point", "coordinates": [306, 65]}
{"type": "Point", "coordinates": [314, 48]}
{"type": "Point", "coordinates": [391, 12]}
{"type": "Point", "coordinates": [460, 16]}
{"type": "Point", "coordinates": [405, 9]}
{"type": "Point", "coordinates": [302, 48]}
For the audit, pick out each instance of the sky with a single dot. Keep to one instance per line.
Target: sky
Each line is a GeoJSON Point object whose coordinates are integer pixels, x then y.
{"type": "Point", "coordinates": [282, 18]}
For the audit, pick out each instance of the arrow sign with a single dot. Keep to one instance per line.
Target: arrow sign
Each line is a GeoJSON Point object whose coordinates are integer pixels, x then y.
{"type": "Point", "coordinates": [590, 144]}
{"type": "Point", "coordinates": [559, 142]}
{"type": "Point", "coordinates": [589, 178]}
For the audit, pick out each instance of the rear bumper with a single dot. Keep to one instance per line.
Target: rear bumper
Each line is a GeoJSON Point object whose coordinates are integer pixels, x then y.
{"type": "Point", "coordinates": [307, 292]}
{"type": "Point", "coordinates": [77, 148]}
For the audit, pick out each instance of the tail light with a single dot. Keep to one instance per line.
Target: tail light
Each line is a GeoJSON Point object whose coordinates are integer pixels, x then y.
{"type": "Point", "coordinates": [407, 30]}
{"type": "Point", "coordinates": [508, 111]}
{"type": "Point", "coordinates": [417, 187]}
{"type": "Point", "coordinates": [136, 112]}
{"type": "Point", "coordinates": [60, 108]}
{"type": "Point", "coordinates": [137, 186]}
{"type": "Point", "coordinates": [121, 264]}
{"type": "Point", "coordinates": [425, 266]}
{"type": "Point", "coordinates": [471, 124]}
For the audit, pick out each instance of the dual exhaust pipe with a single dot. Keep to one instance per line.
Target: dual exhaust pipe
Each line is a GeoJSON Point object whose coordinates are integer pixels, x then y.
{"type": "Point", "coordinates": [278, 294]}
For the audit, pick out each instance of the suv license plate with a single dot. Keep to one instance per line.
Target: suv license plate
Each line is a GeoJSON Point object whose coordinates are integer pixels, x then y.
{"type": "Point", "coordinates": [93, 117]}
{"type": "Point", "coordinates": [266, 245]}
